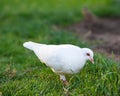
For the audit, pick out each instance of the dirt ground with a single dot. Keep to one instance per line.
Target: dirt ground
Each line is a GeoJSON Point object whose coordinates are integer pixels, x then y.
{"type": "Point", "coordinates": [102, 33]}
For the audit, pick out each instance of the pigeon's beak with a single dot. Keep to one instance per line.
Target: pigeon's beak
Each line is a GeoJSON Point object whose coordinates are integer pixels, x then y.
{"type": "Point", "coordinates": [92, 60]}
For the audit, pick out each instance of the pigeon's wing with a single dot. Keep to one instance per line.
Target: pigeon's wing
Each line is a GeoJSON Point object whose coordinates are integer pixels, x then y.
{"type": "Point", "coordinates": [63, 58]}
{"type": "Point", "coordinates": [53, 55]}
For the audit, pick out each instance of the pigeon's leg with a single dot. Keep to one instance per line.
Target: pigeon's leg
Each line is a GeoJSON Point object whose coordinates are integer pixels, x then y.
{"type": "Point", "coordinates": [62, 77]}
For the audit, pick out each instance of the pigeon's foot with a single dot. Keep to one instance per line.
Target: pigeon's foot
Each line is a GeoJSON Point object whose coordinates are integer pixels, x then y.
{"type": "Point", "coordinates": [63, 79]}
{"type": "Point", "coordinates": [65, 82]}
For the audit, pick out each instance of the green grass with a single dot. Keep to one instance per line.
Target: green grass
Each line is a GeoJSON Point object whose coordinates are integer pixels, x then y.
{"type": "Point", "coordinates": [22, 74]}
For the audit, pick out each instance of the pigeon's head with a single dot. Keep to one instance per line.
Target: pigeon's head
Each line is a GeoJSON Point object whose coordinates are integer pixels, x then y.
{"type": "Point", "coordinates": [88, 53]}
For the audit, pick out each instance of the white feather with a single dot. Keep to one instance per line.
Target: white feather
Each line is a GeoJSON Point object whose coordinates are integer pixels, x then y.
{"type": "Point", "coordinates": [62, 59]}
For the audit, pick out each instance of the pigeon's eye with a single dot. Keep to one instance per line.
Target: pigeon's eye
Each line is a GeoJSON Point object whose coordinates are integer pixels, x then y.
{"type": "Point", "coordinates": [88, 54]}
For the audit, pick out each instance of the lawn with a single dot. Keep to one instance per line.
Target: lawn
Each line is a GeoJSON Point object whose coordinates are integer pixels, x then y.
{"type": "Point", "coordinates": [22, 74]}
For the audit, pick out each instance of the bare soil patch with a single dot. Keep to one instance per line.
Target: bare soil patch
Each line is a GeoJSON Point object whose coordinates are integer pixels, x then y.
{"type": "Point", "coordinates": [104, 31]}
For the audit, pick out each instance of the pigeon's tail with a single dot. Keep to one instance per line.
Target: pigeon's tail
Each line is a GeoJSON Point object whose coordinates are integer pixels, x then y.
{"type": "Point", "coordinates": [31, 45]}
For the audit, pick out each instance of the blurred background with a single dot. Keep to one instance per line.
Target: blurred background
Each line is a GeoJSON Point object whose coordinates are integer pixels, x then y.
{"type": "Point", "coordinates": [33, 20]}
{"type": "Point", "coordinates": [86, 23]}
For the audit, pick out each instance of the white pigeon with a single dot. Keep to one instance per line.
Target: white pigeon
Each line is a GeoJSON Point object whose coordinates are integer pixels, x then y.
{"type": "Point", "coordinates": [62, 59]}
